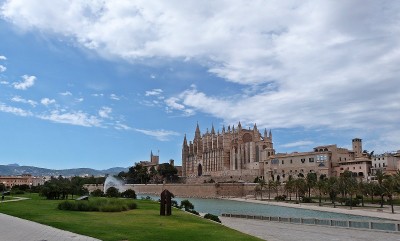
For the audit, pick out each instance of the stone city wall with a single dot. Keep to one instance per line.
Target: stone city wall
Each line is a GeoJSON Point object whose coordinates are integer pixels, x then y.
{"type": "Point", "coordinates": [206, 190]}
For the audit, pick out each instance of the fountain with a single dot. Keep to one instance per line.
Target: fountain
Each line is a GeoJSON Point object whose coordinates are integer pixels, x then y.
{"type": "Point", "coordinates": [113, 182]}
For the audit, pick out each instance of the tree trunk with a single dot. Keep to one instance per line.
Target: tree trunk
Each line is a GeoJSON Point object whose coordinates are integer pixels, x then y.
{"type": "Point", "coordinates": [382, 201]}
{"type": "Point", "coordinates": [351, 201]}
{"type": "Point", "coordinates": [320, 198]}
{"type": "Point", "coordinates": [391, 202]}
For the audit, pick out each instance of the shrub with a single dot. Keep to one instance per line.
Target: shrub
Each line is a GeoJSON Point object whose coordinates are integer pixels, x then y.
{"type": "Point", "coordinates": [187, 205]}
{"type": "Point", "coordinates": [129, 194]}
{"type": "Point", "coordinates": [194, 212]}
{"type": "Point", "coordinates": [212, 217]}
{"type": "Point", "coordinates": [103, 205]}
{"type": "Point", "coordinates": [146, 198]}
{"type": "Point", "coordinates": [112, 192]}
{"type": "Point", "coordinates": [280, 198]}
{"type": "Point", "coordinates": [306, 200]}
{"type": "Point", "coordinates": [97, 193]}
{"type": "Point", "coordinates": [353, 202]}
{"type": "Point", "coordinates": [174, 203]}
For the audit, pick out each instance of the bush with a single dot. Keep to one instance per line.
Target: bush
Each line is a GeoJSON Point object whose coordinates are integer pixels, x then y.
{"type": "Point", "coordinates": [97, 193]}
{"type": "Point", "coordinates": [187, 205]}
{"type": "Point", "coordinates": [103, 205]}
{"type": "Point", "coordinates": [174, 203]}
{"type": "Point", "coordinates": [129, 194]}
{"type": "Point", "coordinates": [212, 217]}
{"type": "Point", "coordinates": [354, 202]}
{"type": "Point", "coordinates": [280, 198]}
{"type": "Point", "coordinates": [147, 198]}
{"type": "Point", "coordinates": [112, 192]}
{"type": "Point", "coordinates": [306, 200]}
{"type": "Point", "coordinates": [193, 211]}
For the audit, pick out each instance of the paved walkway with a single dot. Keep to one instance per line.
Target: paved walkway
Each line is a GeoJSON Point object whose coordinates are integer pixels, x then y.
{"type": "Point", "coordinates": [17, 229]}
{"type": "Point", "coordinates": [274, 231]}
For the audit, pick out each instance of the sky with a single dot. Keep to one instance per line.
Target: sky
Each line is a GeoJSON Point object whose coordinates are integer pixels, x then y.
{"type": "Point", "coordinates": [101, 84]}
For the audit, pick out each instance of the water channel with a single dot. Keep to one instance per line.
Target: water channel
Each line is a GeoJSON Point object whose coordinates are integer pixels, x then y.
{"type": "Point", "coordinates": [219, 206]}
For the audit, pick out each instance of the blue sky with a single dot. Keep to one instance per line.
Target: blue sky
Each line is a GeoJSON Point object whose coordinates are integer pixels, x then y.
{"type": "Point", "coordinates": [101, 84]}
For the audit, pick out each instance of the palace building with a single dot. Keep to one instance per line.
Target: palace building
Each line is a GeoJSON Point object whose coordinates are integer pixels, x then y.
{"type": "Point", "coordinates": [235, 154]}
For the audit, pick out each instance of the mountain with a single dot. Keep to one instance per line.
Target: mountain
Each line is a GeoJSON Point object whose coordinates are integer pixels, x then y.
{"type": "Point", "coordinates": [15, 169]}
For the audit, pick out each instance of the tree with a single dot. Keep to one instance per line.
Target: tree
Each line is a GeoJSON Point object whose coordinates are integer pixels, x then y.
{"type": "Point", "coordinates": [333, 189]}
{"type": "Point", "coordinates": [112, 192]}
{"type": "Point", "coordinates": [311, 180]}
{"type": "Point", "coordinates": [380, 176]}
{"type": "Point", "coordinates": [289, 186]}
{"type": "Point", "coordinates": [321, 186]}
{"type": "Point", "coordinates": [270, 185]}
{"type": "Point", "coordinates": [167, 171]}
{"type": "Point", "coordinates": [300, 187]}
{"type": "Point", "coordinates": [97, 193]}
{"type": "Point", "coordinates": [129, 194]}
{"type": "Point", "coordinates": [390, 186]}
{"type": "Point", "coordinates": [261, 185]}
{"type": "Point", "coordinates": [136, 174]}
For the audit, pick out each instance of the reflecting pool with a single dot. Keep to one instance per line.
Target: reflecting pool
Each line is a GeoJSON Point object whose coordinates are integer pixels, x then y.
{"type": "Point", "coordinates": [219, 206]}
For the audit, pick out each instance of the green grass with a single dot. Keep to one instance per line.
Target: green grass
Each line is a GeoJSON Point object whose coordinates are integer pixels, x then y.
{"type": "Point", "coordinates": [143, 223]}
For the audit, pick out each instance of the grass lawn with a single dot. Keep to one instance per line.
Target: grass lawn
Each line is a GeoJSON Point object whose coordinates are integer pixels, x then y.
{"type": "Point", "coordinates": [143, 223]}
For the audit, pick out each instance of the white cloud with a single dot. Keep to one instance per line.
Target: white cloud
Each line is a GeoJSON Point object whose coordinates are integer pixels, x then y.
{"type": "Point", "coordinates": [14, 110]}
{"type": "Point", "coordinates": [105, 112]}
{"type": "Point", "coordinates": [2, 68]}
{"type": "Point", "coordinates": [2, 57]}
{"type": "Point", "coordinates": [98, 95]}
{"type": "Point", "coordinates": [78, 118]}
{"type": "Point", "coordinates": [120, 126]}
{"type": "Point", "coordinates": [79, 99]}
{"type": "Point", "coordinates": [114, 97]}
{"type": "Point", "coordinates": [3, 82]}
{"type": "Point", "coordinates": [172, 104]}
{"type": "Point", "coordinates": [161, 135]}
{"type": "Point", "coordinates": [47, 101]}
{"type": "Point", "coordinates": [22, 100]}
{"type": "Point", "coordinates": [154, 92]}
{"type": "Point", "coordinates": [66, 93]}
{"type": "Point", "coordinates": [313, 63]}
{"type": "Point", "coordinates": [28, 81]}
{"type": "Point", "coordinates": [298, 144]}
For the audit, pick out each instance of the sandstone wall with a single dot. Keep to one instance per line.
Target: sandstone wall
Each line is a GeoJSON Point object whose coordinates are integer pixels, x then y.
{"type": "Point", "coordinates": [205, 190]}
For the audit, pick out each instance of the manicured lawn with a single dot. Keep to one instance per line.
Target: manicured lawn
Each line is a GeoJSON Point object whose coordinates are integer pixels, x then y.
{"type": "Point", "coordinates": [143, 223]}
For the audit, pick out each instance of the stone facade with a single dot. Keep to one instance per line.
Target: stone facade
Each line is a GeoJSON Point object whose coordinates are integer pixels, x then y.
{"type": "Point", "coordinates": [328, 160]}
{"type": "Point", "coordinates": [232, 155]}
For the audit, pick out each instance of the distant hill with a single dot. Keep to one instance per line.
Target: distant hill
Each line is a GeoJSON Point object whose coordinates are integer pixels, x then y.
{"type": "Point", "coordinates": [15, 169]}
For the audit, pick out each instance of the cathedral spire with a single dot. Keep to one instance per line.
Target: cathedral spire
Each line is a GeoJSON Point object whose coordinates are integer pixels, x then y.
{"type": "Point", "coordinates": [239, 126]}
{"type": "Point", "coordinates": [197, 134]}
{"type": "Point", "coordinates": [184, 141]}
{"type": "Point", "coordinates": [212, 129]}
{"type": "Point", "coordinates": [270, 134]}
{"type": "Point", "coordinates": [265, 133]}
{"type": "Point", "coordinates": [255, 127]}
{"type": "Point", "coordinates": [223, 129]}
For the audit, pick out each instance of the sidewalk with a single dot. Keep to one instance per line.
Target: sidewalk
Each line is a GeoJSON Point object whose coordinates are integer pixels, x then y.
{"type": "Point", "coordinates": [17, 229]}
{"type": "Point", "coordinates": [368, 212]}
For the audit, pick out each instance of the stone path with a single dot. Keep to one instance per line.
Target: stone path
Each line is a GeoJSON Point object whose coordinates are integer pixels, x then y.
{"type": "Point", "coordinates": [274, 231]}
{"type": "Point", "coordinates": [17, 229]}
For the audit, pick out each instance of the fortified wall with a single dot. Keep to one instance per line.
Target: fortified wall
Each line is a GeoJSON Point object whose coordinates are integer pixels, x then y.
{"type": "Point", "coordinates": [205, 190]}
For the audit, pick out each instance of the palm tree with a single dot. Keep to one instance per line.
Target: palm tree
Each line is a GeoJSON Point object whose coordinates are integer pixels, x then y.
{"type": "Point", "coordinates": [270, 185]}
{"type": "Point", "coordinates": [289, 187]}
{"type": "Point", "coordinates": [311, 180]}
{"type": "Point", "coordinates": [390, 186]}
{"type": "Point", "coordinates": [300, 186]}
{"type": "Point", "coordinates": [261, 185]}
{"type": "Point", "coordinates": [380, 176]}
{"type": "Point", "coordinates": [321, 186]}
{"type": "Point", "coordinates": [333, 189]}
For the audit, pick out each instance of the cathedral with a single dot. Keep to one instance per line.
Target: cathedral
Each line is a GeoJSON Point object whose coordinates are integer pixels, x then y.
{"type": "Point", "coordinates": [235, 154]}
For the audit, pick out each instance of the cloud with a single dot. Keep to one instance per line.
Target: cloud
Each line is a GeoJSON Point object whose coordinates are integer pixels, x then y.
{"type": "Point", "coordinates": [120, 126]}
{"type": "Point", "coordinates": [154, 92]}
{"type": "Point", "coordinates": [3, 82]}
{"type": "Point", "coordinates": [66, 93]}
{"type": "Point", "coordinates": [28, 81]}
{"type": "Point", "coordinates": [98, 95]}
{"type": "Point", "coordinates": [2, 57]}
{"type": "Point", "coordinates": [21, 100]}
{"type": "Point", "coordinates": [172, 104]}
{"type": "Point", "coordinates": [78, 118]}
{"type": "Point", "coordinates": [114, 97]}
{"type": "Point", "coordinates": [79, 99]}
{"type": "Point", "coordinates": [298, 144]}
{"type": "Point", "coordinates": [105, 112]}
{"type": "Point", "coordinates": [309, 63]}
{"type": "Point", "coordinates": [14, 110]}
{"type": "Point", "coordinates": [2, 68]}
{"type": "Point", "coordinates": [47, 101]}
{"type": "Point", "coordinates": [161, 135]}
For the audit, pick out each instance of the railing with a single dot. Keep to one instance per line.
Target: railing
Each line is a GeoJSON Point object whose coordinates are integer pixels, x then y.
{"type": "Point", "coordinates": [355, 224]}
